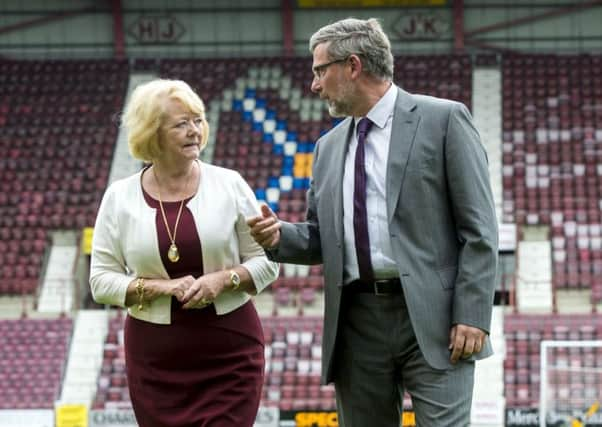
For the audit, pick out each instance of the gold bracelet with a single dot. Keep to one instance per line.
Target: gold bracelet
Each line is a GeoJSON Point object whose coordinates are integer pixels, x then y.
{"type": "Point", "coordinates": [140, 292]}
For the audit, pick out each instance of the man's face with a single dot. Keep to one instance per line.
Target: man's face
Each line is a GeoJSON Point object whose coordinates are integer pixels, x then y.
{"type": "Point", "coordinates": [331, 82]}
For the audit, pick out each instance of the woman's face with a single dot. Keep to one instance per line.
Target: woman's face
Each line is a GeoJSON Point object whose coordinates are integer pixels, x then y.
{"type": "Point", "coordinates": [180, 134]}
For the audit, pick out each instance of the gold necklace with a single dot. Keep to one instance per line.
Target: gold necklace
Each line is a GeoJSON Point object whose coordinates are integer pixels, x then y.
{"type": "Point", "coordinates": [172, 253]}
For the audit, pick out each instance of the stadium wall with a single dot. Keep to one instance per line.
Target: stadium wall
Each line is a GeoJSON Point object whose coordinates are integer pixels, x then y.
{"type": "Point", "coordinates": [155, 28]}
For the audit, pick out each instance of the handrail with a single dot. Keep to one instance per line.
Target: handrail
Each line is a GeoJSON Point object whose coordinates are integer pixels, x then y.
{"type": "Point", "coordinates": [43, 268]}
{"type": "Point", "coordinates": [74, 270]}
{"type": "Point", "coordinates": [512, 293]}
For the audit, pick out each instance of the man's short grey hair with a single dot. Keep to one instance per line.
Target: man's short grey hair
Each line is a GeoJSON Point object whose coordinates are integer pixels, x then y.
{"type": "Point", "coordinates": [364, 38]}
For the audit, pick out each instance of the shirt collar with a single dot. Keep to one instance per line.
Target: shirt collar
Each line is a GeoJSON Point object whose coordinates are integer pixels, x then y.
{"type": "Point", "coordinates": [383, 109]}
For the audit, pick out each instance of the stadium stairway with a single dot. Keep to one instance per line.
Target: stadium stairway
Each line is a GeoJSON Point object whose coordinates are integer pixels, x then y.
{"type": "Point", "coordinates": [123, 164]}
{"type": "Point", "coordinates": [56, 293]}
{"type": "Point", "coordinates": [488, 396]}
{"type": "Point", "coordinates": [534, 284]}
{"type": "Point", "coordinates": [85, 357]}
{"type": "Point", "coordinates": [487, 112]}
{"type": "Point", "coordinates": [213, 114]}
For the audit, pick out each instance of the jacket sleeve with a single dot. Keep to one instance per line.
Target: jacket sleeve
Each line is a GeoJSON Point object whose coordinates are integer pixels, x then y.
{"type": "Point", "coordinates": [108, 272]}
{"type": "Point", "coordinates": [253, 258]}
{"type": "Point", "coordinates": [474, 212]}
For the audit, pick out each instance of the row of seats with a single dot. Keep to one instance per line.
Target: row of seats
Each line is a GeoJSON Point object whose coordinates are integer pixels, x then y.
{"type": "Point", "coordinates": [112, 391]}
{"type": "Point", "coordinates": [552, 168]}
{"type": "Point", "coordinates": [33, 351]}
{"type": "Point", "coordinates": [58, 121]}
{"type": "Point", "coordinates": [71, 116]}
{"type": "Point", "coordinates": [292, 366]}
{"type": "Point", "coordinates": [263, 94]}
{"type": "Point", "coordinates": [568, 366]}
{"type": "Point", "coordinates": [32, 361]}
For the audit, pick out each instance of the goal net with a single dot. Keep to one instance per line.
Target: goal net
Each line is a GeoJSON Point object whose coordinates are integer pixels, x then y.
{"type": "Point", "coordinates": [570, 383]}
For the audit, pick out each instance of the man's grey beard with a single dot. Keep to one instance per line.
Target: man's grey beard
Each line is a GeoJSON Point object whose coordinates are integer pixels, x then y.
{"type": "Point", "coordinates": [342, 107]}
{"type": "Point", "coordinates": [339, 109]}
{"type": "Point", "coordinates": [334, 112]}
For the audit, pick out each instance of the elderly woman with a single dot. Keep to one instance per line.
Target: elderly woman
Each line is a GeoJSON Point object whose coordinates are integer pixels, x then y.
{"type": "Point", "coordinates": [171, 244]}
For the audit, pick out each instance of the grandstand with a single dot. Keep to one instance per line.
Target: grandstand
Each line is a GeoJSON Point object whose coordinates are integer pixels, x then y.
{"type": "Point", "coordinates": [530, 73]}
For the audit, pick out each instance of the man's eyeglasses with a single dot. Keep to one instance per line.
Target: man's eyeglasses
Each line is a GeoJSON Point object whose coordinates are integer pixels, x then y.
{"type": "Point", "coordinates": [320, 70]}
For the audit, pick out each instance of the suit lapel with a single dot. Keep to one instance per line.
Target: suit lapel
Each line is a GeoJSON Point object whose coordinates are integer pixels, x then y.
{"type": "Point", "coordinates": [405, 124]}
{"type": "Point", "coordinates": [340, 142]}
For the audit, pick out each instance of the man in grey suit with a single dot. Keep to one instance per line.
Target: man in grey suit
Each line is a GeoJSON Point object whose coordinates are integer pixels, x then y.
{"type": "Point", "coordinates": [401, 214]}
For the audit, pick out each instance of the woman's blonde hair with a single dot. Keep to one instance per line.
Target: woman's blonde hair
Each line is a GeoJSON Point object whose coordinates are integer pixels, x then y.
{"type": "Point", "coordinates": [144, 114]}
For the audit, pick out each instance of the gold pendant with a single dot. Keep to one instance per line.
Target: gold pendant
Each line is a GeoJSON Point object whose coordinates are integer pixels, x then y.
{"type": "Point", "coordinates": [173, 253]}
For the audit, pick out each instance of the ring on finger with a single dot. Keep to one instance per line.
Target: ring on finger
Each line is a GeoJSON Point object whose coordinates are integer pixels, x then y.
{"type": "Point", "coordinates": [205, 301]}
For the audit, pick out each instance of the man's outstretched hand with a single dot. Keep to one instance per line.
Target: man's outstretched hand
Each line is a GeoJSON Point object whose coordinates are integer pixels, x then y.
{"type": "Point", "coordinates": [265, 228]}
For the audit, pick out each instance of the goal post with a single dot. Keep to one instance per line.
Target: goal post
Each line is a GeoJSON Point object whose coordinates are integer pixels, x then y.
{"type": "Point", "coordinates": [570, 382]}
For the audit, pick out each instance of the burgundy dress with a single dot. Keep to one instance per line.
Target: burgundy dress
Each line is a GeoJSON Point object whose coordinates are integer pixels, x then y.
{"type": "Point", "coordinates": [202, 370]}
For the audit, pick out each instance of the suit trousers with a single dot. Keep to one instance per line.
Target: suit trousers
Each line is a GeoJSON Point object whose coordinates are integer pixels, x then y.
{"type": "Point", "coordinates": [378, 359]}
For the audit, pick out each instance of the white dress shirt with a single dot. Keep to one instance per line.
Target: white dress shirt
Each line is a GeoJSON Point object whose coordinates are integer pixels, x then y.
{"type": "Point", "coordinates": [125, 243]}
{"type": "Point", "coordinates": [376, 157]}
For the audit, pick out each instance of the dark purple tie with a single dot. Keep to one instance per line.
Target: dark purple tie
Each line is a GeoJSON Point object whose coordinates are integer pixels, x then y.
{"type": "Point", "coordinates": [360, 213]}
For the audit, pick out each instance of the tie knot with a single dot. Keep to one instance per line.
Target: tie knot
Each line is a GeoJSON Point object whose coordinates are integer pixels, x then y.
{"type": "Point", "coordinates": [364, 126]}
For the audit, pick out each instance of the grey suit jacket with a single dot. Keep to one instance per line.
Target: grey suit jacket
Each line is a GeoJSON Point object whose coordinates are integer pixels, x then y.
{"type": "Point", "coordinates": [441, 218]}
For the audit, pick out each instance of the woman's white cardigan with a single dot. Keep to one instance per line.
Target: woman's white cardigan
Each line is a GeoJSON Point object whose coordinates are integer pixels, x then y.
{"type": "Point", "coordinates": [125, 244]}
